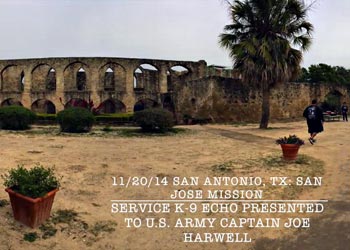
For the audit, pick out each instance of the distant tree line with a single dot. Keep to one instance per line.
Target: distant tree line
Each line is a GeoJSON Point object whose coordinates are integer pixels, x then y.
{"type": "Point", "coordinates": [323, 73]}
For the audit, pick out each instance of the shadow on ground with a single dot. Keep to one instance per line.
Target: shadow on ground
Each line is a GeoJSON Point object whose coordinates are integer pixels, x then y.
{"type": "Point", "coordinates": [329, 232]}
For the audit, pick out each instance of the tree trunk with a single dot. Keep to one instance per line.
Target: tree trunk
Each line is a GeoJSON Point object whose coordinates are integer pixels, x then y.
{"type": "Point", "coordinates": [265, 107]}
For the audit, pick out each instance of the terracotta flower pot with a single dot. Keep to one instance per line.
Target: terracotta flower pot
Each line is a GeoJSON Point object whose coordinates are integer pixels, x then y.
{"type": "Point", "coordinates": [29, 211]}
{"type": "Point", "coordinates": [290, 151]}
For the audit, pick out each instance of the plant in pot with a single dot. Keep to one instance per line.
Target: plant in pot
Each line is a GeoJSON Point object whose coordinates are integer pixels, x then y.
{"type": "Point", "coordinates": [290, 146]}
{"type": "Point", "coordinates": [31, 193]}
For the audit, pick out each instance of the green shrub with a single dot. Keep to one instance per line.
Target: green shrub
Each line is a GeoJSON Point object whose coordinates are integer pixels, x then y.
{"type": "Point", "coordinates": [35, 182]}
{"type": "Point", "coordinates": [154, 120]}
{"type": "Point", "coordinates": [75, 120]}
{"type": "Point", "coordinates": [16, 118]}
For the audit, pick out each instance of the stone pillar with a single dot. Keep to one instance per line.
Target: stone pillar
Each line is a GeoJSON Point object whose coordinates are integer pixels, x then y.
{"type": "Point", "coordinates": [59, 89]}
{"type": "Point", "coordinates": [26, 98]}
{"type": "Point", "coordinates": [129, 98]}
{"type": "Point", "coordinates": [93, 85]}
{"type": "Point", "coordinates": [163, 80]}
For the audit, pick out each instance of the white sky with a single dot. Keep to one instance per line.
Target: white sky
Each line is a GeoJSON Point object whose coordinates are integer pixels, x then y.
{"type": "Point", "coordinates": [157, 29]}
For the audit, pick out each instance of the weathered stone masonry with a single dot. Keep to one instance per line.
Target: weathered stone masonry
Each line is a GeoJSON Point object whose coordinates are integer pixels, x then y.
{"type": "Point", "coordinates": [49, 84]}
{"type": "Point", "coordinates": [113, 85]}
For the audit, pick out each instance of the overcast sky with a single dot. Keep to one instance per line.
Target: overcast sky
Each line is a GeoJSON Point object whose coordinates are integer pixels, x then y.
{"type": "Point", "coordinates": [157, 29]}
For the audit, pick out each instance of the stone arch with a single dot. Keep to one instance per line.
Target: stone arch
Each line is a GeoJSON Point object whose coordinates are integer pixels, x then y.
{"type": "Point", "coordinates": [332, 101]}
{"type": "Point", "coordinates": [146, 77]}
{"type": "Point", "coordinates": [179, 70]}
{"type": "Point", "coordinates": [43, 106]}
{"type": "Point", "coordinates": [111, 106]}
{"type": "Point", "coordinates": [76, 76]}
{"type": "Point", "coordinates": [113, 77]}
{"type": "Point", "coordinates": [11, 102]}
{"type": "Point", "coordinates": [43, 78]}
{"type": "Point", "coordinates": [145, 104]}
{"type": "Point", "coordinates": [76, 102]}
{"type": "Point", "coordinates": [11, 78]}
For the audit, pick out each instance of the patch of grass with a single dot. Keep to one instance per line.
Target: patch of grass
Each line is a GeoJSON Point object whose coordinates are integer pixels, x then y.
{"type": "Point", "coordinates": [274, 165]}
{"type": "Point", "coordinates": [64, 216]}
{"type": "Point", "coordinates": [4, 203]}
{"type": "Point", "coordinates": [34, 152]}
{"type": "Point", "coordinates": [31, 237]}
{"type": "Point", "coordinates": [107, 129]}
{"type": "Point", "coordinates": [222, 168]}
{"type": "Point", "coordinates": [103, 226]}
{"type": "Point", "coordinates": [48, 230]}
{"type": "Point", "coordinates": [140, 133]}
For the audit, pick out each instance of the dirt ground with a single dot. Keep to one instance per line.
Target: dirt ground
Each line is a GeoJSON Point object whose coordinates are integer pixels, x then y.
{"type": "Point", "coordinates": [87, 164]}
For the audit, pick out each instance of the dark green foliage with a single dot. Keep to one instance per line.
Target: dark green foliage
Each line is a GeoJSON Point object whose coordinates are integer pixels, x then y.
{"type": "Point", "coordinates": [154, 120]}
{"type": "Point", "coordinates": [291, 139]}
{"type": "Point", "coordinates": [75, 120]}
{"type": "Point", "coordinates": [16, 118]}
{"type": "Point", "coordinates": [31, 237]}
{"type": "Point", "coordinates": [35, 182]}
{"type": "Point", "coordinates": [323, 73]}
{"type": "Point", "coordinates": [266, 39]}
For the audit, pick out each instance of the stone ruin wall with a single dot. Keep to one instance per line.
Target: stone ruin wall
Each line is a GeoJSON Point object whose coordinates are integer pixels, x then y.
{"type": "Point", "coordinates": [114, 81]}
{"type": "Point", "coordinates": [228, 99]}
{"type": "Point", "coordinates": [48, 85]}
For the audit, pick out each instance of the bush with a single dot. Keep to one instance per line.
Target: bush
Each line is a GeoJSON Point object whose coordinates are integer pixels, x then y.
{"type": "Point", "coordinates": [75, 120]}
{"type": "Point", "coordinates": [16, 118]}
{"type": "Point", "coordinates": [35, 182]}
{"type": "Point", "coordinates": [154, 120]}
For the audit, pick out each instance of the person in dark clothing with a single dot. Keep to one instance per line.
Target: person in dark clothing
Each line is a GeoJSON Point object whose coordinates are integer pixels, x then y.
{"type": "Point", "coordinates": [314, 119]}
{"type": "Point", "coordinates": [344, 111]}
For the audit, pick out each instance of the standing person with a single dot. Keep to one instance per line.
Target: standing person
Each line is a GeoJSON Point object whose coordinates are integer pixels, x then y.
{"type": "Point", "coordinates": [314, 118]}
{"type": "Point", "coordinates": [344, 111]}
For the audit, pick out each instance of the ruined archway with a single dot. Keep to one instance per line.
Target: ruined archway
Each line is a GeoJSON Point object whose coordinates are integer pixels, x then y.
{"type": "Point", "coordinates": [145, 104]}
{"type": "Point", "coordinates": [176, 73]}
{"type": "Point", "coordinates": [113, 77]}
{"type": "Point", "coordinates": [146, 78]}
{"type": "Point", "coordinates": [76, 77]}
{"type": "Point", "coordinates": [43, 78]}
{"type": "Point", "coordinates": [76, 102]}
{"type": "Point", "coordinates": [11, 102]}
{"type": "Point", "coordinates": [111, 106]}
{"type": "Point", "coordinates": [12, 79]}
{"type": "Point", "coordinates": [43, 106]}
{"type": "Point", "coordinates": [332, 101]}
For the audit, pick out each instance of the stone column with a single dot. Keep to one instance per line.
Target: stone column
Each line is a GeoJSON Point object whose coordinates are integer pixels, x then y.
{"type": "Point", "coordinates": [129, 98]}
{"type": "Point", "coordinates": [26, 98]}
{"type": "Point", "coordinates": [163, 80]}
{"type": "Point", "coordinates": [59, 89]}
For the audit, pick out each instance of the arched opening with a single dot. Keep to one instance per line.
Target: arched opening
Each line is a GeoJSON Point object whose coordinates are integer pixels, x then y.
{"type": "Point", "coordinates": [146, 77]}
{"type": "Point", "coordinates": [111, 106]}
{"type": "Point", "coordinates": [109, 83]}
{"type": "Point", "coordinates": [145, 104]}
{"type": "Point", "coordinates": [22, 81]}
{"type": "Point", "coordinates": [11, 78]}
{"type": "Point", "coordinates": [332, 101]}
{"type": "Point", "coordinates": [11, 102]}
{"type": "Point", "coordinates": [179, 70]}
{"type": "Point", "coordinates": [76, 102]}
{"type": "Point", "coordinates": [168, 104]}
{"type": "Point", "coordinates": [75, 76]}
{"type": "Point", "coordinates": [51, 80]}
{"type": "Point", "coordinates": [81, 79]}
{"type": "Point", "coordinates": [43, 106]}
{"type": "Point", "coordinates": [43, 78]}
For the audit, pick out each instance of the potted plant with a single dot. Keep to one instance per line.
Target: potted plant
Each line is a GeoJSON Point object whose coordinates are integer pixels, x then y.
{"type": "Point", "coordinates": [31, 193]}
{"type": "Point", "coordinates": [290, 146]}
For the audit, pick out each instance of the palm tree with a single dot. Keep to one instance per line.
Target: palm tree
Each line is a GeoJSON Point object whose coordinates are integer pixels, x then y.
{"type": "Point", "coordinates": [266, 39]}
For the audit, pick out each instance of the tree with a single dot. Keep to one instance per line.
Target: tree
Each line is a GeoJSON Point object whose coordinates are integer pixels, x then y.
{"type": "Point", "coordinates": [266, 39]}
